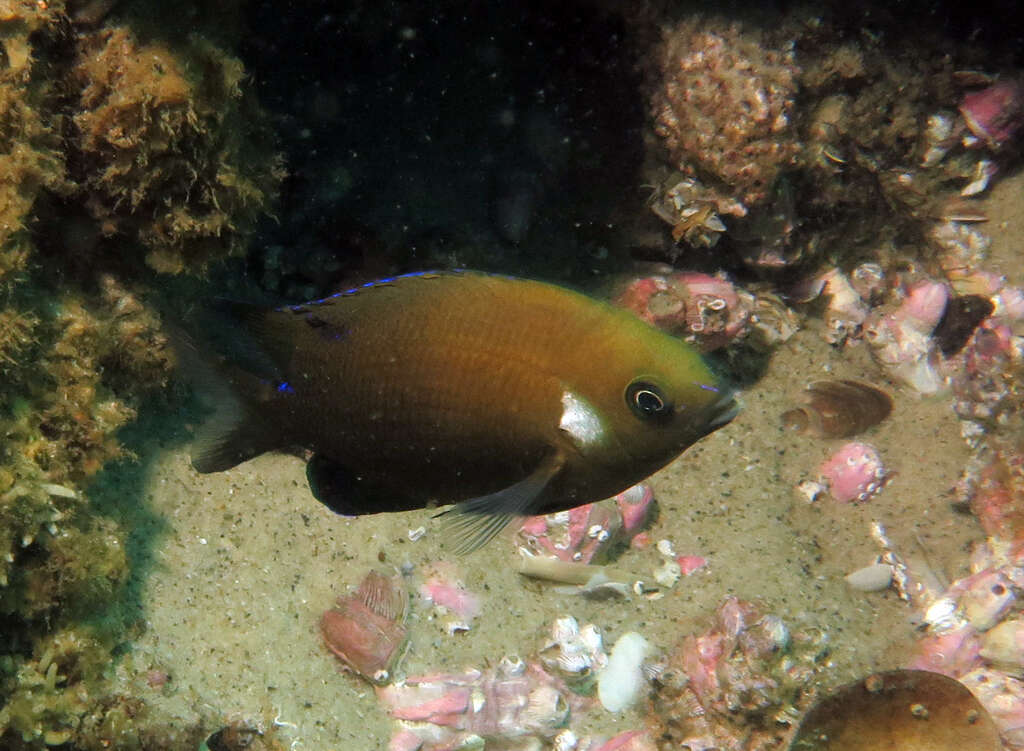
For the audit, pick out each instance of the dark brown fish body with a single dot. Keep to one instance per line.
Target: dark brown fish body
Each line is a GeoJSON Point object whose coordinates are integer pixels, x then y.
{"type": "Point", "coordinates": [455, 386]}
{"type": "Point", "coordinates": [838, 409]}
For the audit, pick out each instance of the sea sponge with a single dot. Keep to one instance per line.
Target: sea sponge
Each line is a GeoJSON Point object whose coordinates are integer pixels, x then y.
{"type": "Point", "coordinates": [170, 151]}
{"type": "Point", "coordinates": [724, 104]}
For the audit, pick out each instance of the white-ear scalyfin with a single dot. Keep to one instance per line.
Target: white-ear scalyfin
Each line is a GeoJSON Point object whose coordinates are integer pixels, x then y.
{"type": "Point", "coordinates": [580, 420]}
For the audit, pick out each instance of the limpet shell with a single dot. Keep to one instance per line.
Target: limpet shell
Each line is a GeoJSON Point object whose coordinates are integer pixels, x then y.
{"type": "Point", "coordinates": [838, 409]}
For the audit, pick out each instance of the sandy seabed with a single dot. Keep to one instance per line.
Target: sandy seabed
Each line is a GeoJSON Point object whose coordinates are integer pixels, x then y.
{"type": "Point", "coordinates": [244, 562]}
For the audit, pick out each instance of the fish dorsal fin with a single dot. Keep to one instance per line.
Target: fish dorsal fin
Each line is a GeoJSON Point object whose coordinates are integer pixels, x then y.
{"type": "Point", "coordinates": [475, 522]}
{"type": "Point", "coordinates": [240, 333]}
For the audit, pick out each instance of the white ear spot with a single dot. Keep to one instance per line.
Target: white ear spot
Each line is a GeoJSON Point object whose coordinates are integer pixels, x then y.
{"type": "Point", "coordinates": [580, 420]}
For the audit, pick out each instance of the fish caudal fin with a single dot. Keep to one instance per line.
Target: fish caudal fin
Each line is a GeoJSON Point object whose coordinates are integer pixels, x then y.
{"type": "Point", "coordinates": [235, 432]}
{"type": "Point", "coordinates": [233, 435]}
{"type": "Point", "coordinates": [475, 522]}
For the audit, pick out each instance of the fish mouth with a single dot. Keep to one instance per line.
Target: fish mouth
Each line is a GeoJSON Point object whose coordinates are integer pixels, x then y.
{"type": "Point", "coordinates": [723, 411]}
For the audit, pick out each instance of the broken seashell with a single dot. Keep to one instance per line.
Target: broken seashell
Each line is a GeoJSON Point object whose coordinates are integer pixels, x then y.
{"type": "Point", "coordinates": [910, 710]}
{"type": "Point", "coordinates": [620, 682]}
{"type": "Point", "coordinates": [961, 317]}
{"type": "Point", "coordinates": [838, 409]}
{"type": "Point", "coordinates": [366, 629]}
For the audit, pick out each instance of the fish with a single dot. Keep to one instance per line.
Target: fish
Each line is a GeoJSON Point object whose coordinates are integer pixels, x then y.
{"type": "Point", "coordinates": [504, 396]}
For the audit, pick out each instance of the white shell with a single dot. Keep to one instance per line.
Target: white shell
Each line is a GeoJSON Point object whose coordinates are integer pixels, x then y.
{"type": "Point", "coordinates": [873, 578]}
{"type": "Point", "coordinates": [620, 683]}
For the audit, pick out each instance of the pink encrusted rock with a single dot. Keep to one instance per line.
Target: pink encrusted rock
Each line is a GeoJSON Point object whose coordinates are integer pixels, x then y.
{"type": "Point", "coordinates": [737, 686]}
{"type": "Point", "coordinates": [709, 311]}
{"type": "Point", "coordinates": [901, 340]}
{"type": "Point", "coordinates": [630, 740]}
{"type": "Point", "coordinates": [690, 563]}
{"type": "Point", "coordinates": [513, 701]}
{"type": "Point", "coordinates": [366, 630]}
{"type": "Point", "coordinates": [635, 505]}
{"type": "Point", "coordinates": [854, 473]}
{"type": "Point", "coordinates": [951, 652]}
{"type": "Point", "coordinates": [586, 534]}
{"type": "Point", "coordinates": [996, 113]}
{"type": "Point", "coordinates": [1003, 697]}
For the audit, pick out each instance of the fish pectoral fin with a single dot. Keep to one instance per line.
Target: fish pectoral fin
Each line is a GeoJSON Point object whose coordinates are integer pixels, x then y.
{"type": "Point", "coordinates": [474, 522]}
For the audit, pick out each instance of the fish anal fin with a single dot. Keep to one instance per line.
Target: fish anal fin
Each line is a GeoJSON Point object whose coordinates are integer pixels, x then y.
{"type": "Point", "coordinates": [473, 523]}
{"type": "Point", "coordinates": [340, 490]}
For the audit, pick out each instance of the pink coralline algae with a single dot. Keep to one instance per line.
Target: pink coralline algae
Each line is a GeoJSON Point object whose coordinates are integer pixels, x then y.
{"type": "Point", "coordinates": [724, 106]}
{"type": "Point", "coordinates": [586, 534]}
{"type": "Point", "coordinates": [707, 310]}
{"type": "Point", "coordinates": [854, 473]}
{"type": "Point", "coordinates": [508, 705]}
{"type": "Point", "coordinates": [736, 687]}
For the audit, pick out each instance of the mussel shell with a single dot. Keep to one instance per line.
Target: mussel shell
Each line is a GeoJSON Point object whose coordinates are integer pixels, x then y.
{"type": "Point", "coordinates": [838, 409]}
{"type": "Point", "coordinates": [898, 710]}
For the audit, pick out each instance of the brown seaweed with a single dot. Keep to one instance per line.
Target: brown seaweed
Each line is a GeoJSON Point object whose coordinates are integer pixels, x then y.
{"type": "Point", "coordinates": [838, 409]}
{"type": "Point", "coordinates": [909, 710]}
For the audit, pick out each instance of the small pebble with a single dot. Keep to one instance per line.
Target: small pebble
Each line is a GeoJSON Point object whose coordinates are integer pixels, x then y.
{"type": "Point", "coordinates": [873, 578]}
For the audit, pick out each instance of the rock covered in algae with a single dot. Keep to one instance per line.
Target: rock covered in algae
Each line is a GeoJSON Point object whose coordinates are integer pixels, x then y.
{"type": "Point", "coordinates": [739, 686]}
{"type": "Point", "coordinates": [724, 105]}
{"type": "Point", "coordinates": [167, 147]}
{"type": "Point", "coordinates": [168, 161]}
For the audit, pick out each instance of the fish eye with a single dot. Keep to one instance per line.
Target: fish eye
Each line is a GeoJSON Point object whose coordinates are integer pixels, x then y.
{"type": "Point", "coordinates": [647, 401]}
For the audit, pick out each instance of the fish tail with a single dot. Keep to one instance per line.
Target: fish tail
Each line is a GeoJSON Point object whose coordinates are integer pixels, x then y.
{"type": "Point", "coordinates": [233, 435]}
{"type": "Point", "coordinates": [235, 432]}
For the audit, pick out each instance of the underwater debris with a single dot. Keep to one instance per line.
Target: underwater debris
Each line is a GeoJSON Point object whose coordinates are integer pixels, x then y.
{"type": "Point", "coordinates": [838, 409]}
{"type": "Point", "coordinates": [912, 710]}
{"type": "Point", "coordinates": [872, 578]}
{"type": "Point", "coordinates": [621, 681]}
{"type": "Point", "coordinates": [694, 211]}
{"type": "Point", "coordinates": [574, 653]}
{"type": "Point", "coordinates": [366, 629]}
